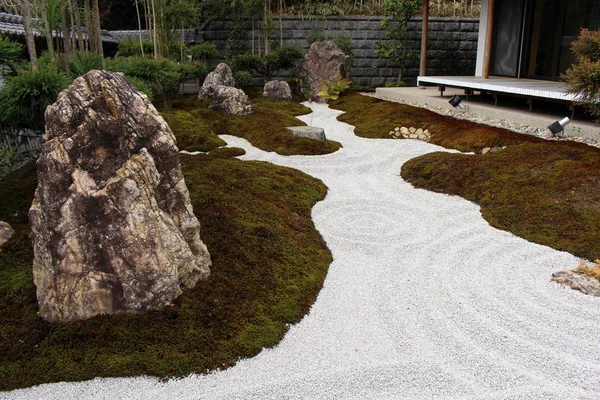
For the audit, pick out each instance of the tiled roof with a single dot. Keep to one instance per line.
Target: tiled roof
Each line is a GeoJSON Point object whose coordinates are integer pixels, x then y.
{"type": "Point", "coordinates": [13, 25]}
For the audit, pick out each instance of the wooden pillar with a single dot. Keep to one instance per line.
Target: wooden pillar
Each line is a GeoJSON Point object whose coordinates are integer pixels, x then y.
{"type": "Point", "coordinates": [489, 34]}
{"type": "Point", "coordinates": [424, 38]}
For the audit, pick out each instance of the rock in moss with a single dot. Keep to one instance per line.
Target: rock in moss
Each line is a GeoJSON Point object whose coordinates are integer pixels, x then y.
{"type": "Point", "coordinates": [113, 226]}
{"type": "Point", "coordinates": [578, 281]}
{"type": "Point", "coordinates": [6, 232]}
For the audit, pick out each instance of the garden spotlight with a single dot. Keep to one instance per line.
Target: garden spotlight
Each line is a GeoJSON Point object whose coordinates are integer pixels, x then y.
{"type": "Point", "coordinates": [456, 101]}
{"type": "Point", "coordinates": [558, 127]}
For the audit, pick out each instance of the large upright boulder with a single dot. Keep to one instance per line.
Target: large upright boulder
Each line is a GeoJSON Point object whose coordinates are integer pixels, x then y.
{"type": "Point", "coordinates": [113, 226]}
{"type": "Point", "coordinates": [324, 62]}
{"type": "Point", "coordinates": [221, 76]}
{"type": "Point", "coordinates": [219, 88]}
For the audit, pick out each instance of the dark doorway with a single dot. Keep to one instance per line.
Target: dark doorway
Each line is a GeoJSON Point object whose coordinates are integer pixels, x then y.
{"type": "Point", "coordinates": [551, 27]}
{"type": "Point", "coordinates": [508, 26]}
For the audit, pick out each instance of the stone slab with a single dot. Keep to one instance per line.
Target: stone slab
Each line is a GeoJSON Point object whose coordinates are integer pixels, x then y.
{"type": "Point", "coordinates": [309, 132]}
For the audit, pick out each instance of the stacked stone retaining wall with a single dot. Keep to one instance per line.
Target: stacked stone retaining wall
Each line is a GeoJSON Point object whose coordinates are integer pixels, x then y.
{"type": "Point", "coordinates": [452, 44]}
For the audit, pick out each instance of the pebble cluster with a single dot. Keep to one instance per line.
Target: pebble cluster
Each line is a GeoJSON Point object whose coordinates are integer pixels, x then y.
{"type": "Point", "coordinates": [411, 133]}
{"type": "Point", "coordinates": [499, 123]}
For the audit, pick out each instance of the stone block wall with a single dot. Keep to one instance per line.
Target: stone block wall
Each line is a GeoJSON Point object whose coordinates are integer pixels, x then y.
{"type": "Point", "coordinates": [451, 51]}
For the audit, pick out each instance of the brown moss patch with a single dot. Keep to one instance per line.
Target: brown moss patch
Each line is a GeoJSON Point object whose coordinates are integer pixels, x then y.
{"type": "Point", "coordinates": [269, 263]}
{"type": "Point", "coordinates": [196, 127]}
{"type": "Point", "coordinates": [374, 118]}
{"type": "Point", "coordinates": [545, 192]}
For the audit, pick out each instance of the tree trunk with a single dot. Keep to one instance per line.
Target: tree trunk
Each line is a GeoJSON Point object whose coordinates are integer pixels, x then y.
{"type": "Point", "coordinates": [265, 31]}
{"type": "Point", "coordinates": [66, 39]}
{"type": "Point", "coordinates": [137, 10]}
{"type": "Point", "coordinates": [29, 33]}
{"type": "Point", "coordinates": [74, 6]}
{"type": "Point", "coordinates": [88, 24]}
{"type": "Point", "coordinates": [97, 33]}
{"type": "Point", "coordinates": [47, 29]}
{"type": "Point", "coordinates": [154, 31]}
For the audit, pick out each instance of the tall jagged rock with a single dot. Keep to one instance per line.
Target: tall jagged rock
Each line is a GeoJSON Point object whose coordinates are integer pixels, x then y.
{"type": "Point", "coordinates": [219, 88]}
{"type": "Point", "coordinates": [113, 226]}
{"type": "Point", "coordinates": [324, 62]}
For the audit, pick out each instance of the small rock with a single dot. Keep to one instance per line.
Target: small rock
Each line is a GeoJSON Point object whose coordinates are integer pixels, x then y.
{"type": "Point", "coordinates": [396, 129]}
{"type": "Point", "coordinates": [277, 90]}
{"type": "Point", "coordinates": [412, 136]}
{"type": "Point", "coordinates": [404, 130]}
{"type": "Point", "coordinates": [485, 150]}
{"type": "Point", "coordinates": [578, 281]}
{"type": "Point", "coordinates": [412, 129]}
{"type": "Point", "coordinates": [309, 132]}
{"type": "Point", "coordinates": [419, 131]}
{"type": "Point", "coordinates": [6, 232]}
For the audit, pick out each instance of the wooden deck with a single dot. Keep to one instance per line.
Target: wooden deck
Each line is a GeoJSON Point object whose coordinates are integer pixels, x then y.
{"type": "Point", "coordinates": [529, 88]}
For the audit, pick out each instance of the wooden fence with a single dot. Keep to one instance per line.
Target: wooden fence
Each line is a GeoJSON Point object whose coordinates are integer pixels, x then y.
{"type": "Point", "coordinates": [25, 140]}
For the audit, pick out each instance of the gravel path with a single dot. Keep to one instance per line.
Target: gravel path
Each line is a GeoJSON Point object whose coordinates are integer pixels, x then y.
{"type": "Point", "coordinates": [423, 300]}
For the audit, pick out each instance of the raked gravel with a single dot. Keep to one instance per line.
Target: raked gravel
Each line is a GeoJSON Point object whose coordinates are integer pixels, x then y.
{"type": "Point", "coordinates": [423, 300]}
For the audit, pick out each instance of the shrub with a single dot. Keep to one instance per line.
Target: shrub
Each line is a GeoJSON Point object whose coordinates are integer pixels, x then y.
{"type": "Point", "coordinates": [583, 78]}
{"type": "Point", "coordinates": [204, 51]}
{"type": "Point", "coordinates": [82, 63]}
{"type": "Point", "coordinates": [398, 14]}
{"type": "Point", "coordinates": [332, 90]}
{"type": "Point", "coordinates": [266, 65]}
{"type": "Point", "coordinates": [129, 47]}
{"type": "Point", "coordinates": [344, 42]}
{"type": "Point", "coordinates": [316, 35]}
{"type": "Point", "coordinates": [24, 98]}
{"type": "Point", "coordinates": [243, 78]}
{"type": "Point", "coordinates": [162, 76]}
{"type": "Point", "coordinates": [11, 53]}
{"type": "Point", "coordinates": [193, 70]}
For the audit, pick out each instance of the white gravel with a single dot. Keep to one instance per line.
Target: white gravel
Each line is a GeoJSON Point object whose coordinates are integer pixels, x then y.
{"type": "Point", "coordinates": [423, 300]}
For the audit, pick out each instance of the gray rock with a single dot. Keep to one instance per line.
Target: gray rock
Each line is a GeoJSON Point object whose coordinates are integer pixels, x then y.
{"type": "Point", "coordinates": [309, 132]}
{"type": "Point", "coordinates": [324, 62]}
{"type": "Point", "coordinates": [277, 90]}
{"type": "Point", "coordinates": [221, 76]}
{"type": "Point", "coordinates": [219, 88]}
{"type": "Point", "coordinates": [6, 232]}
{"type": "Point", "coordinates": [230, 100]}
{"type": "Point", "coordinates": [113, 226]}
{"type": "Point", "coordinates": [486, 150]}
{"type": "Point", "coordinates": [578, 281]}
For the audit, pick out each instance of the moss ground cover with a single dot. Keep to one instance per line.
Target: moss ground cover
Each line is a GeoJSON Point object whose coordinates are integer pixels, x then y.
{"type": "Point", "coordinates": [546, 192]}
{"type": "Point", "coordinates": [374, 118]}
{"type": "Point", "coordinates": [269, 263]}
{"type": "Point", "coordinates": [196, 127]}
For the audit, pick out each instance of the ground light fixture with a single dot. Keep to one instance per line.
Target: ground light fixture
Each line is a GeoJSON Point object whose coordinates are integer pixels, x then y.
{"type": "Point", "coordinates": [456, 102]}
{"type": "Point", "coordinates": [557, 127]}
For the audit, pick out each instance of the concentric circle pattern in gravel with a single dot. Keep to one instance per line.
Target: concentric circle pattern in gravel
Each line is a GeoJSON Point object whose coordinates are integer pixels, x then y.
{"type": "Point", "coordinates": [423, 300]}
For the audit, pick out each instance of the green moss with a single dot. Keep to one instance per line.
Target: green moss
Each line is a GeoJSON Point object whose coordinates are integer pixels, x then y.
{"type": "Point", "coordinates": [269, 263]}
{"type": "Point", "coordinates": [227, 152]}
{"type": "Point", "coordinates": [545, 192]}
{"type": "Point", "coordinates": [374, 118]}
{"type": "Point", "coordinates": [196, 127]}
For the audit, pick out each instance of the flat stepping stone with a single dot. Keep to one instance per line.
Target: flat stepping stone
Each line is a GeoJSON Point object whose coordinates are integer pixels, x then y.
{"type": "Point", "coordinates": [309, 132]}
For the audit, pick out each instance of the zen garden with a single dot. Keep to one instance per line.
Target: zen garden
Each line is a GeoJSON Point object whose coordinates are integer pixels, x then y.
{"type": "Point", "coordinates": [299, 199]}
